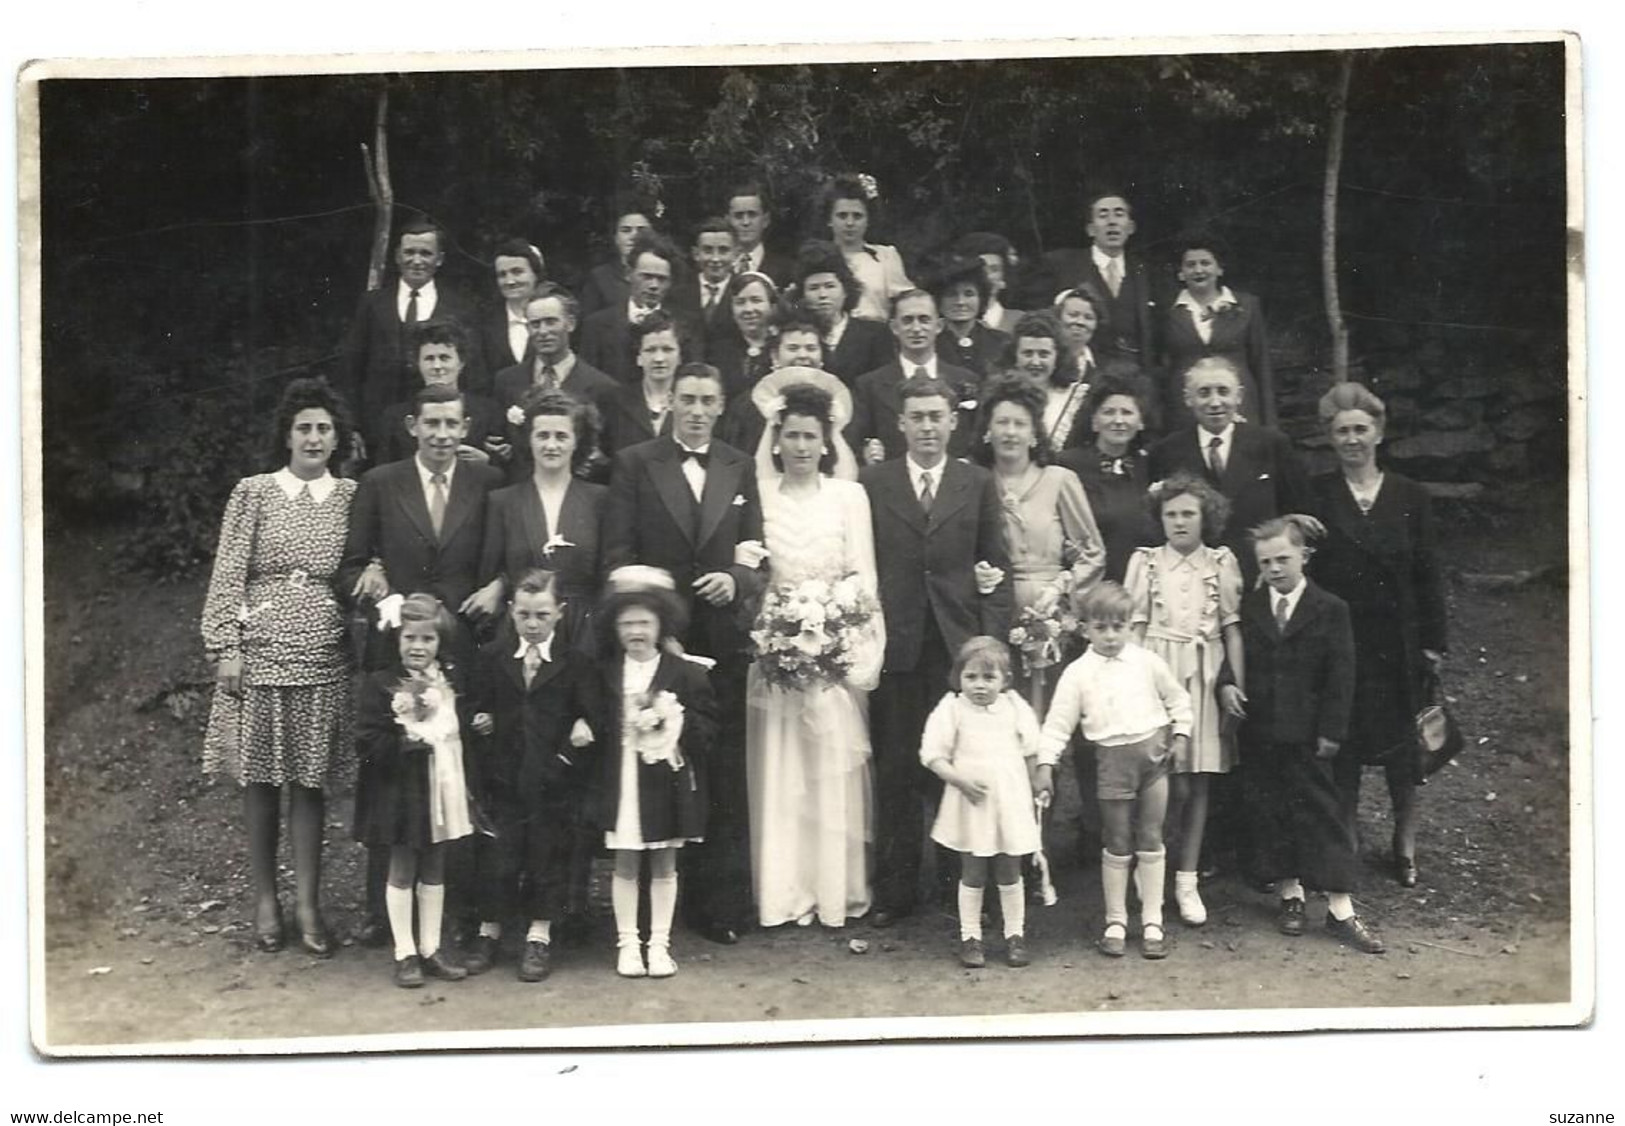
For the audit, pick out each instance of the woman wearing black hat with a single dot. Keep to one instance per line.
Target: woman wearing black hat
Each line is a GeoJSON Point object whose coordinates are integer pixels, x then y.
{"type": "Point", "coordinates": [961, 288]}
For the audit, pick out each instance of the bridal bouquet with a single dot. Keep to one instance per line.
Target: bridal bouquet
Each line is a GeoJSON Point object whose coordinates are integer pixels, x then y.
{"type": "Point", "coordinates": [807, 632]}
{"type": "Point", "coordinates": [657, 726]}
{"type": "Point", "coordinates": [1045, 627]}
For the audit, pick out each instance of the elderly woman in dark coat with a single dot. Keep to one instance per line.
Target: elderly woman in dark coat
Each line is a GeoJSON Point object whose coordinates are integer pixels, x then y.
{"type": "Point", "coordinates": [1379, 557]}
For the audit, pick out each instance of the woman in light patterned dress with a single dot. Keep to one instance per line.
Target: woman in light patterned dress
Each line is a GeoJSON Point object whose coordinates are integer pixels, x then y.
{"type": "Point", "coordinates": [1187, 610]}
{"type": "Point", "coordinates": [274, 627]}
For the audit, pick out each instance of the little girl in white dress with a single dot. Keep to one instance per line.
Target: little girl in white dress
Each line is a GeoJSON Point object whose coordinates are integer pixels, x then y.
{"type": "Point", "coordinates": [982, 742]}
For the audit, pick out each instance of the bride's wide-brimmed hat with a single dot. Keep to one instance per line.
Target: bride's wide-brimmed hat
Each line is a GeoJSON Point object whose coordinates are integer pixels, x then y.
{"type": "Point", "coordinates": [768, 394]}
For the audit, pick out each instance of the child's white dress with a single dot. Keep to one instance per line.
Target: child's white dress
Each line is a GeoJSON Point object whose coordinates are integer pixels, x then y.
{"type": "Point", "coordinates": [992, 744]}
{"type": "Point", "coordinates": [1185, 602]}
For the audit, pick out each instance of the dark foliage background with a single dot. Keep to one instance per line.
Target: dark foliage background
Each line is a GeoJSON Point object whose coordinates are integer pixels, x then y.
{"type": "Point", "coordinates": [206, 239]}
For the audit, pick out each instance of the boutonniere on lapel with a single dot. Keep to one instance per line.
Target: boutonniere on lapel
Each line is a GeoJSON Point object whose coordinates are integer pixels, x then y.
{"type": "Point", "coordinates": [739, 500]}
{"type": "Point", "coordinates": [1263, 476]}
{"type": "Point", "coordinates": [967, 397]}
{"type": "Point", "coordinates": [516, 416]}
{"type": "Point", "coordinates": [554, 542]}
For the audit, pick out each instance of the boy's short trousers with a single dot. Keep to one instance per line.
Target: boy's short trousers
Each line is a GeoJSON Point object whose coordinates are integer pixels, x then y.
{"type": "Point", "coordinates": [1127, 769]}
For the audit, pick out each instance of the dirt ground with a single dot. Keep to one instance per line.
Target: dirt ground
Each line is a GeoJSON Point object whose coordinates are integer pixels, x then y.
{"type": "Point", "coordinates": [147, 910]}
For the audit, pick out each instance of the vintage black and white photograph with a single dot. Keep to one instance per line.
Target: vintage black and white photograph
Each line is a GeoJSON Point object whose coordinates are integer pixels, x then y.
{"type": "Point", "coordinates": [560, 550]}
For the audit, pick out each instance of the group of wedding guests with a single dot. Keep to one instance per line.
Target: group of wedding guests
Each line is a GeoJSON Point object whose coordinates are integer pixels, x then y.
{"type": "Point", "coordinates": [585, 518]}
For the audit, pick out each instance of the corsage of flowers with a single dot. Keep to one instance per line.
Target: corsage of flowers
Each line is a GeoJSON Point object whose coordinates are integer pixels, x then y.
{"type": "Point", "coordinates": [516, 415]}
{"type": "Point", "coordinates": [657, 727]}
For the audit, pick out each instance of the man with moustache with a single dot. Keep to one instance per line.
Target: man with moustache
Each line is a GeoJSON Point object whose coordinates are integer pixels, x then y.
{"type": "Point", "coordinates": [688, 504]}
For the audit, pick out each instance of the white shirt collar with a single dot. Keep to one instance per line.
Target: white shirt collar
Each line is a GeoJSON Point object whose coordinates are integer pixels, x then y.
{"type": "Point", "coordinates": [682, 449]}
{"type": "Point", "coordinates": [832, 338]}
{"type": "Point", "coordinates": [426, 475]}
{"type": "Point", "coordinates": [916, 471]}
{"type": "Point", "coordinates": [561, 368]}
{"type": "Point", "coordinates": [1100, 258]}
{"type": "Point", "coordinates": [544, 647]}
{"type": "Point", "coordinates": [1205, 438]}
{"type": "Point", "coordinates": [1291, 597]}
{"type": "Point", "coordinates": [635, 312]}
{"type": "Point", "coordinates": [292, 484]}
{"type": "Point", "coordinates": [909, 366]}
{"type": "Point", "coordinates": [1086, 359]}
{"type": "Point", "coordinates": [1224, 300]}
{"type": "Point", "coordinates": [428, 298]}
{"type": "Point", "coordinates": [994, 313]}
{"type": "Point", "coordinates": [753, 257]}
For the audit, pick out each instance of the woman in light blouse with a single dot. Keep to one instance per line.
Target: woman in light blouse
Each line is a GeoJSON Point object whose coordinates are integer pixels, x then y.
{"type": "Point", "coordinates": [849, 205]}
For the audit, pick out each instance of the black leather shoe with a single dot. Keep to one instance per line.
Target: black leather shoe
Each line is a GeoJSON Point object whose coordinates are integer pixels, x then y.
{"type": "Point", "coordinates": [438, 965]}
{"type": "Point", "coordinates": [720, 933]}
{"type": "Point", "coordinates": [1355, 933]}
{"type": "Point", "coordinates": [409, 972]}
{"type": "Point", "coordinates": [481, 956]}
{"type": "Point", "coordinates": [1290, 920]}
{"type": "Point", "coordinates": [889, 916]}
{"type": "Point", "coordinates": [372, 932]}
{"type": "Point", "coordinates": [536, 963]}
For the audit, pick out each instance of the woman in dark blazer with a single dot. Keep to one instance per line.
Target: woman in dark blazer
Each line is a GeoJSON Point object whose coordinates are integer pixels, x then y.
{"type": "Point", "coordinates": [504, 335]}
{"type": "Point", "coordinates": [551, 519]}
{"type": "Point", "coordinates": [1379, 557]}
{"type": "Point", "coordinates": [827, 290]}
{"type": "Point", "coordinates": [1209, 318]}
{"type": "Point", "coordinates": [742, 349]}
{"type": "Point", "coordinates": [1113, 466]}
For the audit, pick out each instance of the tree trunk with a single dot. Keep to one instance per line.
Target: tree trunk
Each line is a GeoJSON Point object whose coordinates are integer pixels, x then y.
{"type": "Point", "coordinates": [381, 191]}
{"type": "Point", "coordinates": [1328, 228]}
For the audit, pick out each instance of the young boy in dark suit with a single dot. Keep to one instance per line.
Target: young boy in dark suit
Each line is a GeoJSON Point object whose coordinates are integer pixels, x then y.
{"type": "Point", "coordinates": [1294, 700]}
{"type": "Point", "coordinates": [536, 705]}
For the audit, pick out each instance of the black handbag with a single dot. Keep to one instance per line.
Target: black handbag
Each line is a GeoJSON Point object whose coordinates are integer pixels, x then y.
{"type": "Point", "coordinates": [1438, 735]}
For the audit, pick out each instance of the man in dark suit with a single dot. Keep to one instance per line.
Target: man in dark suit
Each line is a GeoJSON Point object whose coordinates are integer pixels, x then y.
{"type": "Point", "coordinates": [1255, 467]}
{"type": "Point", "coordinates": [1295, 703]}
{"type": "Point", "coordinates": [829, 292]}
{"type": "Point", "coordinates": [606, 337]}
{"type": "Point", "coordinates": [877, 399]}
{"type": "Point", "coordinates": [551, 317]}
{"type": "Point", "coordinates": [416, 525]}
{"type": "Point", "coordinates": [698, 298]}
{"type": "Point", "coordinates": [686, 503]}
{"type": "Point", "coordinates": [1120, 279]}
{"type": "Point", "coordinates": [750, 214]}
{"type": "Point", "coordinates": [942, 558]}
{"type": "Point", "coordinates": [376, 365]}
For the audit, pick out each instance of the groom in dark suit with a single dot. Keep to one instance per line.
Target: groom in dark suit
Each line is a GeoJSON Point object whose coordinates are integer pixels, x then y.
{"type": "Point", "coordinates": [937, 523]}
{"type": "Point", "coordinates": [685, 503]}
{"type": "Point", "coordinates": [416, 525]}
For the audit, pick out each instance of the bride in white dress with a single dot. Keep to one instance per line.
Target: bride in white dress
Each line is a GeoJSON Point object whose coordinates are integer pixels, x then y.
{"type": "Point", "coordinates": [807, 750]}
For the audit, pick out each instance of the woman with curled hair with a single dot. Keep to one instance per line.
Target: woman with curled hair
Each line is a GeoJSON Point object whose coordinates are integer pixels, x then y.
{"type": "Point", "coordinates": [742, 351]}
{"type": "Point", "coordinates": [1208, 319]}
{"type": "Point", "coordinates": [1187, 610]}
{"type": "Point", "coordinates": [274, 626]}
{"type": "Point", "coordinates": [1040, 352]}
{"type": "Point", "coordinates": [1379, 556]}
{"type": "Point", "coordinates": [848, 206]}
{"type": "Point", "coordinates": [1048, 525]}
{"type": "Point", "coordinates": [807, 745]}
{"type": "Point", "coordinates": [552, 519]}
{"type": "Point", "coordinates": [828, 290]}
{"type": "Point", "coordinates": [1112, 466]}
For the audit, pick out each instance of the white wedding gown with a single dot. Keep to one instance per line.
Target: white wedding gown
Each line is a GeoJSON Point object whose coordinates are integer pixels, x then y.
{"type": "Point", "coordinates": [807, 752]}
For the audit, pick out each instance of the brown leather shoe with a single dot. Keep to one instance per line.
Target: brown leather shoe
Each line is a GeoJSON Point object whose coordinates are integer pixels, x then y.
{"type": "Point", "coordinates": [1356, 934]}
{"type": "Point", "coordinates": [1290, 920]}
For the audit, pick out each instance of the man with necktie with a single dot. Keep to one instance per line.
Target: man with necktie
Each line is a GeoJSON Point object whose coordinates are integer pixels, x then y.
{"type": "Point", "coordinates": [688, 504]}
{"type": "Point", "coordinates": [750, 214]}
{"type": "Point", "coordinates": [416, 526]}
{"type": "Point", "coordinates": [606, 336]}
{"type": "Point", "coordinates": [877, 399]}
{"type": "Point", "coordinates": [942, 559]}
{"type": "Point", "coordinates": [377, 365]}
{"type": "Point", "coordinates": [699, 297]}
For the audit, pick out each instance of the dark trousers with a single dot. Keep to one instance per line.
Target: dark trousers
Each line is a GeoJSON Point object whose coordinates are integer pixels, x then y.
{"type": "Point", "coordinates": [524, 870]}
{"type": "Point", "coordinates": [716, 872]}
{"type": "Point", "coordinates": [1301, 829]}
{"type": "Point", "coordinates": [906, 793]}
